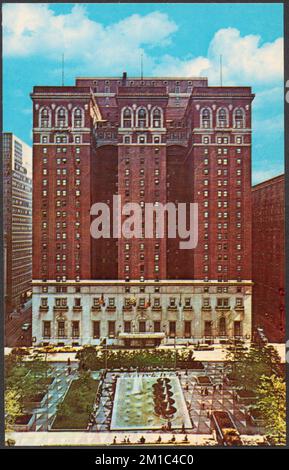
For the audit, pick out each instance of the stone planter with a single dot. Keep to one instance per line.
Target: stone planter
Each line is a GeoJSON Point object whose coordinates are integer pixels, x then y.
{"type": "Point", "coordinates": [24, 423]}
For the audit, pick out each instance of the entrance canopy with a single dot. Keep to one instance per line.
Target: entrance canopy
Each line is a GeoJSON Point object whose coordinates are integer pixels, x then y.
{"type": "Point", "coordinates": [141, 335]}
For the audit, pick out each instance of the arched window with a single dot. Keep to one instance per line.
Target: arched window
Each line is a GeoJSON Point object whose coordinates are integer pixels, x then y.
{"type": "Point", "coordinates": [78, 117]}
{"type": "Point", "coordinates": [61, 117]}
{"type": "Point", "coordinates": [239, 118]}
{"type": "Point", "coordinates": [157, 118]}
{"type": "Point", "coordinates": [206, 120]}
{"type": "Point", "coordinates": [127, 118]}
{"type": "Point", "coordinates": [142, 118]}
{"type": "Point", "coordinates": [45, 115]}
{"type": "Point", "coordinates": [222, 327]}
{"type": "Point", "coordinates": [222, 118]}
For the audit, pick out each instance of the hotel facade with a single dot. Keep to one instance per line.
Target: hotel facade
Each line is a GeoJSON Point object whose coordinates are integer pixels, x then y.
{"type": "Point", "coordinates": [148, 140]}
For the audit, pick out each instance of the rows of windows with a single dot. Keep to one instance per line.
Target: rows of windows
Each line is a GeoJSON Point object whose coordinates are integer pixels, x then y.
{"type": "Point", "coordinates": [60, 139]}
{"type": "Point", "coordinates": [174, 302]}
{"type": "Point", "coordinates": [61, 117]}
{"type": "Point", "coordinates": [63, 289]}
{"type": "Point", "coordinates": [208, 139]}
{"type": "Point", "coordinates": [65, 330]}
{"type": "Point", "coordinates": [60, 226]}
{"type": "Point", "coordinates": [223, 116]}
{"type": "Point", "coordinates": [141, 139]}
{"type": "Point", "coordinates": [141, 118]}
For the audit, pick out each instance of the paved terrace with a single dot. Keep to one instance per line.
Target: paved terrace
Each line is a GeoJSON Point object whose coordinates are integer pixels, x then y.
{"type": "Point", "coordinates": [217, 355]}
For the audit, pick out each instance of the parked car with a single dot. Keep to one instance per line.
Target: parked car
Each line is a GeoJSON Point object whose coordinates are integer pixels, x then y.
{"type": "Point", "coordinates": [203, 347]}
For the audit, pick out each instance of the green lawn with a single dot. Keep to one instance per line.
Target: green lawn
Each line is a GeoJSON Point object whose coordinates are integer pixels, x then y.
{"type": "Point", "coordinates": [74, 411]}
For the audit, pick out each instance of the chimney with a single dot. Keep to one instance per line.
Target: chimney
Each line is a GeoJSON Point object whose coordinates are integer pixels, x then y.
{"type": "Point", "coordinates": [124, 76]}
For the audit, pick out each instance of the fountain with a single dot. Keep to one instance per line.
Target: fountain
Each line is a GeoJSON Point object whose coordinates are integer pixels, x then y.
{"type": "Point", "coordinates": [147, 402]}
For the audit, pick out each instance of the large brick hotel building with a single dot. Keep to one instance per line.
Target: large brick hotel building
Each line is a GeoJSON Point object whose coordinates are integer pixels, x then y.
{"type": "Point", "coordinates": [154, 140]}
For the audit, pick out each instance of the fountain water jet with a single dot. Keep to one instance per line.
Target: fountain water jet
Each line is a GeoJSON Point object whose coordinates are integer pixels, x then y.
{"type": "Point", "coordinates": [137, 387]}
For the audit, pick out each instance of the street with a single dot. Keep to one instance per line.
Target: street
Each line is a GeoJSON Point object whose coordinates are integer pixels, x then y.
{"type": "Point", "coordinates": [14, 335]}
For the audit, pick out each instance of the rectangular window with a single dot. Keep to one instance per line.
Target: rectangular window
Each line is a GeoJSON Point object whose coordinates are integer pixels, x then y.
{"type": "Point", "coordinates": [157, 326]}
{"type": "Point", "coordinates": [188, 330]}
{"type": "Point", "coordinates": [75, 329]}
{"type": "Point", "coordinates": [127, 326]}
{"type": "Point", "coordinates": [111, 329]}
{"type": "Point", "coordinates": [172, 329]}
{"type": "Point", "coordinates": [96, 329]}
{"type": "Point", "coordinates": [206, 302]}
{"type": "Point", "coordinates": [208, 328]}
{"type": "Point", "coordinates": [61, 329]}
{"type": "Point", "coordinates": [46, 329]}
{"type": "Point", "coordinates": [237, 328]}
{"type": "Point", "coordinates": [142, 326]}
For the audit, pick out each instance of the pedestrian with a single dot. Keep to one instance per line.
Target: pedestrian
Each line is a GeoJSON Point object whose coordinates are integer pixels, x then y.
{"type": "Point", "coordinates": [68, 361]}
{"type": "Point", "coordinates": [114, 440]}
{"type": "Point", "coordinates": [69, 370]}
{"type": "Point", "coordinates": [203, 405]}
{"type": "Point", "coordinates": [183, 428]}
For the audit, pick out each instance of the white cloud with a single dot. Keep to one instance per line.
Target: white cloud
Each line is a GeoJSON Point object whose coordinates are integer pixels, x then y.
{"type": "Point", "coordinates": [32, 29]}
{"type": "Point", "coordinates": [35, 30]}
{"type": "Point", "coordinates": [244, 60]}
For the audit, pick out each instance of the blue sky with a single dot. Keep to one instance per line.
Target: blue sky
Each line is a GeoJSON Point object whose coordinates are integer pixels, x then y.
{"type": "Point", "coordinates": [175, 39]}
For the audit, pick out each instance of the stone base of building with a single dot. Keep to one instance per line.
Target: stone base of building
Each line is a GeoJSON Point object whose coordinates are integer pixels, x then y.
{"type": "Point", "coordinates": [140, 314]}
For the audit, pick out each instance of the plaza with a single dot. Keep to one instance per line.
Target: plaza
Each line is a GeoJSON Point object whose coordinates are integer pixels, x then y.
{"type": "Point", "coordinates": [123, 411]}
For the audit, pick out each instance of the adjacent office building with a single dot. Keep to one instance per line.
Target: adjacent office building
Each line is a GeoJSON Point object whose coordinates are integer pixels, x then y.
{"type": "Point", "coordinates": [17, 182]}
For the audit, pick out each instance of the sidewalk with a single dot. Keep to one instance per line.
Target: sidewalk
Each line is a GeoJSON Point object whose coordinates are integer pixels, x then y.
{"type": "Point", "coordinates": [103, 438]}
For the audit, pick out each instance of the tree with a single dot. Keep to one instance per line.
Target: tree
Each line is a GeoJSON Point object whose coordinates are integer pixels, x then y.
{"type": "Point", "coordinates": [13, 408]}
{"type": "Point", "coordinates": [24, 379]}
{"type": "Point", "coordinates": [272, 405]}
{"type": "Point", "coordinates": [249, 366]}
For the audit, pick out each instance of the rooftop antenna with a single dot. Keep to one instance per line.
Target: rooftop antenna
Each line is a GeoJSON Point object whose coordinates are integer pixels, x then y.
{"type": "Point", "coordinates": [141, 66]}
{"type": "Point", "coordinates": [221, 70]}
{"type": "Point", "coordinates": [62, 71]}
